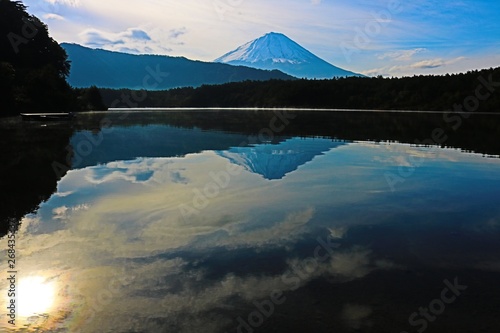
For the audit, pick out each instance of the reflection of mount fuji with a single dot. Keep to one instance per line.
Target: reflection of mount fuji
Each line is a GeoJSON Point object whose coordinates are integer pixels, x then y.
{"type": "Point", "coordinates": [276, 161]}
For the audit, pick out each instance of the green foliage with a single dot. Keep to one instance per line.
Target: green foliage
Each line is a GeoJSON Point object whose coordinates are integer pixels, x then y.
{"type": "Point", "coordinates": [29, 151]}
{"type": "Point", "coordinates": [421, 93]}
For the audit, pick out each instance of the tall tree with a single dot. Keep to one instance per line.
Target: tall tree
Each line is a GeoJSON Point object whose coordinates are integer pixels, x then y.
{"type": "Point", "coordinates": [34, 63]}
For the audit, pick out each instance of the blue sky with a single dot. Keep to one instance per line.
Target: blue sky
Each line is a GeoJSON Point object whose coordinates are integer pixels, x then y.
{"type": "Point", "coordinates": [376, 37]}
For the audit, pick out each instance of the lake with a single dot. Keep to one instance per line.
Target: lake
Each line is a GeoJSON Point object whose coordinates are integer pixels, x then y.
{"type": "Point", "coordinates": [251, 221]}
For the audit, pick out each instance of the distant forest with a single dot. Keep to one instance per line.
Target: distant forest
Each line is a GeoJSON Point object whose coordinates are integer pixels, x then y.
{"type": "Point", "coordinates": [34, 67]}
{"type": "Point", "coordinates": [34, 70]}
{"type": "Point", "coordinates": [431, 93]}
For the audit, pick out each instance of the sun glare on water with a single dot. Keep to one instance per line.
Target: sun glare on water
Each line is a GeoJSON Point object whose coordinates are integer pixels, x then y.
{"type": "Point", "coordinates": [35, 297]}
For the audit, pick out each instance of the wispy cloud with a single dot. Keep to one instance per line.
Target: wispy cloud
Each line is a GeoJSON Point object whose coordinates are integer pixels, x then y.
{"type": "Point", "coordinates": [402, 55]}
{"type": "Point", "coordinates": [72, 3]}
{"type": "Point", "coordinates": [435, 63]}
{"type": "Point", "coordinates": [413, 67]}
{"type": "Point", "coordinates": [53, 17]}
{"type": "Point", "coordinates": [197, 30]}
{"type": "Point", "coordinates": [356, 315]}
{"type": "Point", "coordinates": [132, 40]}
{"type": "Point", "coordinates": [176, 33]}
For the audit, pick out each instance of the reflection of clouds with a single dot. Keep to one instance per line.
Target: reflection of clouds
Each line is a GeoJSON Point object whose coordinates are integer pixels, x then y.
{"type": "Point", "coordinates": [140, 170]}
{"type": "Point", "coordinates": [337, 232]}
{"type": "Point", "coordinates": [342, 266]}
{"type": "Point", "coordinates": [355, 315]}
{"type": "Point", "coordinates": [486, 230]}
{"type": "Point", "coordinates": [406, 155]}
{"type": "Point", "coordinates": [125, 211]}
{"type": "Point", "coordinates": [193, 298]}
{"type": "Point", "coordinates": [63, 212]}
{"type": "Point", "coordinates": [63, 194]}
{"type": "Point", "coordinates": [491, 225]}
{"type": "Point", "coordinates": [274, 235]}
{"type": "Point", "coordinates": [122, 219]}
{"type": "Point", "coordinates": [352, 264]}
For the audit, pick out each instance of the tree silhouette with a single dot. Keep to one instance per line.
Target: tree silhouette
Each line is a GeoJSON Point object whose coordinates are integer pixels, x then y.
{"type": "Point", "coordinates": [33, 67]}
{"type": "Point", "coordinates": [421, 93]}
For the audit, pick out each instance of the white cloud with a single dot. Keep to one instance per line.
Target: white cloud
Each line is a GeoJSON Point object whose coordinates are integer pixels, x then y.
{"type": "Point", "coordinates": [132, 40]}
{"type": "Point", "coordinates": [402, 55]}
{"type": "Point", "coordinates": [320, 26]}
{"type": "Point", "coordinates": [53, 17]}
{"type": "Point", "coordinates": [72, 3]}
{"type": "Point", "coordinates": [435, 63]}
{"type": "Point", "coordinates": [415, 67]}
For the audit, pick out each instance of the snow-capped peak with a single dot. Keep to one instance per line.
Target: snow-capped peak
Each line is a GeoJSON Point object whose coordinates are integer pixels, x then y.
{"type": "Point", "coordinates": [276, 51]}
{"type": "Point", "coordinates": [274, 47]}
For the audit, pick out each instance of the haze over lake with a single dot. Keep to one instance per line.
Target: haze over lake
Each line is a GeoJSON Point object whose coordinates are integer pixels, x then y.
{"type": "Point", "coordinates": [254, 221]}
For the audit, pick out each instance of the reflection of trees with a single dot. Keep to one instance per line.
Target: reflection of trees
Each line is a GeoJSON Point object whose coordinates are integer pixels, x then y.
{"type": "Point", "coordinates": [478, 133]}
{"type": "Point", "coordinates": [29, 149]}
{"type": "Point", "coordinates": [26, 174]}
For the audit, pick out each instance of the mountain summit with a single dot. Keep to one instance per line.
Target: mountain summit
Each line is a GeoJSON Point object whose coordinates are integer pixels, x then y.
{"type": "Point", "coordinates": [277, 51]}
{"type": "Point", "coordinates": [116, 70]}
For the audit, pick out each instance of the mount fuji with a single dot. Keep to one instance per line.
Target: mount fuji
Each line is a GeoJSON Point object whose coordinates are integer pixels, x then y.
{"type": "Point", "coordinates": [275, 161]}
{"type": "Point", "coordinates": [277, 51]}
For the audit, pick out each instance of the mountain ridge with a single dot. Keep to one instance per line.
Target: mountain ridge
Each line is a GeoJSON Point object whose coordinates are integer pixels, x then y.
{"type": "Point", "coordinates": [117, 70]}
{"type": "Point", "coordinates": [276, 161]}
{"type": "Point", "coordinates": [275, 50]}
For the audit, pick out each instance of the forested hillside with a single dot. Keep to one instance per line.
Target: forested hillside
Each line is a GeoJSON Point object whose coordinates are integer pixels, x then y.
{"type": "Point", "coordinates": [154, 72]}
{"type": "Point", "coordinates": [408, 93]}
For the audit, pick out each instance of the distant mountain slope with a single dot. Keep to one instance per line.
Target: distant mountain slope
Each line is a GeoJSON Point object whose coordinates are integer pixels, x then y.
{"type": "Point", "coordinates": [277, 51]}
{"type": "Point", "coordinates": [275, 161]}
{"type": "Point", "coordinates": [108, 69]}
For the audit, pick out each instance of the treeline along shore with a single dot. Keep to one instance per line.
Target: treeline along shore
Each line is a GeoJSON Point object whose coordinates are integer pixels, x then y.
{"type": "Point", "coordinates": [34, 69]}
{"type": "Point", "coordinates": [477, 91]}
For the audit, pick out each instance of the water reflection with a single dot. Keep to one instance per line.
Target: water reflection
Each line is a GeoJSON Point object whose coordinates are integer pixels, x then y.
{"type": "Point", "coordinates": [134, 260]}
{"type": "Point", "coordinates": [36, 296]}
{"type": "Point", "coordinates": [275, 161]}
{"type": "Point", "coordinates": [197, 240]}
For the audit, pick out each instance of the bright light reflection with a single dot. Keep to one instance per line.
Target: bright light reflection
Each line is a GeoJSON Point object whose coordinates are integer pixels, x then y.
{"type": "Point", "coordinates": [36, 296]}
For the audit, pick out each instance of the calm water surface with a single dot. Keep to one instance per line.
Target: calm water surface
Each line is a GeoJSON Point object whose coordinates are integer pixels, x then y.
{"type": "Point", "coordinates": [166, 222]}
